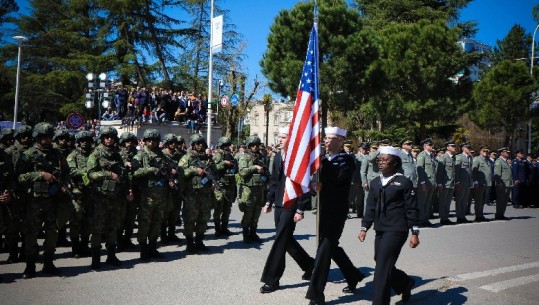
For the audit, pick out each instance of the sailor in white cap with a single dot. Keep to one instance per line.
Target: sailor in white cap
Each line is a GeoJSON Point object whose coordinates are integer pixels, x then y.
{"type": "Point", "coordinates": [392, 207]}
{"type": "Point", "coordinates": [285, 223]}
{"type": "Point", "coordinates": [334, 187]}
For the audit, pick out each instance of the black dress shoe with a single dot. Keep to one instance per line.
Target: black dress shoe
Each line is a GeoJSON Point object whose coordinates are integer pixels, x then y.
{"type": "Point", "coordinates": [501, 218]}
{"type": "Point", "coordinates": [407, 293]}
{"type": "Point", "coordinates": [307, 275]}
{"type": "Point", "coordinates": [267, 288]}
{"type": "Point", "coordinates": [349, 289]}
{"type": "Point", "coordinates": [317, 302]}
{"type": "Point", "coordinates": [462, 220]}
{"type": "Point", "coordinates": [446, 222]}
{"type": "Point", "coordinates": [481, 219]}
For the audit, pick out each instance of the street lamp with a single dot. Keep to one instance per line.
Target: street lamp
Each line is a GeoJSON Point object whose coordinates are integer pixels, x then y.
{"type": "Point", "coordinates": [102, 93]}
{"type": "Point", "coordinates": [220, 87]}
{"type": "Point", "coordinates": [20, 40]}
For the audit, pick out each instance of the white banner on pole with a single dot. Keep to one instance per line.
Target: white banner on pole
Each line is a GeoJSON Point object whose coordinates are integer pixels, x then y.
{"type": "Point", "coordinates": [217, 37]}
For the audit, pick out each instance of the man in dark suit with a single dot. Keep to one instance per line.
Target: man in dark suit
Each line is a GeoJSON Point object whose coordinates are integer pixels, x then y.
{"type": "Point", "coordinates": [334, 186]}
{"type": "Point", "coordinates": [520, 171]}
{"type": "Point", "coordinates": [285, 224]}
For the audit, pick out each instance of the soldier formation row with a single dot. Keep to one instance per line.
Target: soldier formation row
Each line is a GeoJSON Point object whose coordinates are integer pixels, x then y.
{"type": "Point", "coordinates": [439, 176]}
{"type": "Point", "coordinates": [100, 189]}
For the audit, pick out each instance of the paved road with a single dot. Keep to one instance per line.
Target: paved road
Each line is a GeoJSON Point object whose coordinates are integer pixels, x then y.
{"type": "Point", "coordinates": [487, 263]}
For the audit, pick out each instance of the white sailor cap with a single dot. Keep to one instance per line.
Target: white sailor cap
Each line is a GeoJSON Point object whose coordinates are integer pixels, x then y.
{"type": "Point", "coordinates": [336, 131]}
{"type": "Point", "coordinates": [388, 150]}
{"type": "Point", "coordinates": [283, 130]}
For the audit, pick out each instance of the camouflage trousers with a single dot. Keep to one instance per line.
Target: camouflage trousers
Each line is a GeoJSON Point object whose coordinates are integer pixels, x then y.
{"type": "Point", "coordinates": [224, 198]}
{"type": "Point", "coordinates": [197, 211]}
{"type": "Point", "coordinates": [106, 211]}
{"type": "Point", "coordinates": [41, 215]}
{"type": "Point", "coordinates": [172, 208]}
{"type": "Point", "coordinates": [14, 211]}
{"type": "Point", "coordinates": [150, 216]}
{"type": "Point", "coordinates": [252, 199]}
{"type": "Point", "coordinates": [79, 224]}
{"type": "Point", "coordinates": [128, 214]}
{"type": "Point", "coordinates": [64, 211]}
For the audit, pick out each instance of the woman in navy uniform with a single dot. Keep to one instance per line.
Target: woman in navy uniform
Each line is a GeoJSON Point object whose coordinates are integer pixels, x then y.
{"type": "Point", "coordinates": [392, 207]}
{"type": "Point", "coordinates": [334, 187]}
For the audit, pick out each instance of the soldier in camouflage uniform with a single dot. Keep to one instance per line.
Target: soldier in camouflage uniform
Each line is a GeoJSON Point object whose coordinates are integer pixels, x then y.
{"type": "Point", "coordinates": [181, 151]}
{"type": "Point", "coordinates": [199, 196]}
{"type": "Point", "coordinates": [43, 171]}
{"type": "Point", "coordinates": [227, 167]}
{"type": "Point", "coordinates": [152, 175]}
{"type": "Point", "coordinates": [108, 179]}
{"type": "Point", "coordinates": [16, 207]}
{"type": "Point", "coordinates": [61, 141]}
{"type": "Point", "coordinates": [173, 199]}
{"type": "Point", "coordinates": [6, 138]}
{"type": "Point", "coordinates": [129, 208]}
{"type": "Point", "coordinates": [253, 169]}
{"type": "Point", "coordinates": [79, 227]}
{"type": "Point", "coordinates": [7, 186]}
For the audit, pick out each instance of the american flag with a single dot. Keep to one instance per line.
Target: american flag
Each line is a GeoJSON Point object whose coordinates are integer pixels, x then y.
{"type": "Point", "coordinates": [302, 157]}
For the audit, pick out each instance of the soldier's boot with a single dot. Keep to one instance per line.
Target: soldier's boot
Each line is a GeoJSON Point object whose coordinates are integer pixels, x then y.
{"type": "Point", "coordinates": [144, 252]}
{"type": "Point", "coordinates": [30, 270]}
{"type": "Point", "coordinates": [75, 247]}
{"type": "Point", "coordinates": [246, 235]}
{"type": "Point", "coordinates": [200, 244]}
{"type": "Point", "coordinates": [218, 231]}
{"type": "Point", "coordinates": [154, 253]}
{"type": "Point", "coordinates": [172, 234]}
{"type": "Point", "coordinates": [111, 256]}
{"type": "Point", "coordinates": [13, 249]}
{"type": "Point", "coordinates": [254, 236]}
{"type": "Point", "coordinates": [191, 248]}
{"type": "Point", "coordinates": [127, 242]}
{"type": "Point", "coordinates": [96, 259]}
{"type": "Point", "coordinates": [62, 237]}
{"type": "Point", "coordinates": [224, 229]}
{"type": "Point", "coordinates": [164, 236]}
{"type": "Point", "coordinates": [84, 250]}
{"type": "Point", "coordinates": [48, 265]}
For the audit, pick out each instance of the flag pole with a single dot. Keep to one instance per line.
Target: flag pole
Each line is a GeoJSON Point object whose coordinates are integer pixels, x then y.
{"type": "Point", "coordinates": [316, 82]}
{"type": "Point", "coordinates": [210, 79]}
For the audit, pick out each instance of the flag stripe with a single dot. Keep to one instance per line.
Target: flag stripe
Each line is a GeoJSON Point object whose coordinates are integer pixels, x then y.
{"type": "Point", "coordinates": [303, 149]}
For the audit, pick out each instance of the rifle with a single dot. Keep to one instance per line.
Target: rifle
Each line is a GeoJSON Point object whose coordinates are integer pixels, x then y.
{"type": "Point", "coordinates": [114, 167]}
{"type": "Point", "coordinates": [261, 161]}
{"type": "Point", "coordinates": [165, 168]}
{"type": "Point", "coordinates": [234, 169]}
{"type": "Point", "coordinates": [209, 174]}
{"type": "Point", "coordinates": [41, 164]}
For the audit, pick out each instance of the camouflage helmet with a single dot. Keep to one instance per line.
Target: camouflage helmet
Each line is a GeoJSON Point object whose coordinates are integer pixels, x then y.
{"type": "Point", "coordinates": [128, 136]}
{"type": "Point", "coordinates": [151, 134]}
{"type": "Point", "coordinates": [180, 139]}
{"type": "Point", "coordinates": [108, 130]}
{"type": "Point", "coordinates": [62, 133]}
{"type": "Point", "coordinates": [6, 133]}
{"type": "Point", "coordinates": [196, 138]}
{"type": "Point", "coordinates": [224, 141]}
{"type": "Point", "coordinates": [83, 135]}
{"type": "Point", "coordinates": [170, 138]}
{"type": "Point", "coordinates": [253, 140]}
{"type": "Point", "coordinates": [43, 129]}
{"type": "Point", "coordinates": [23, 129]}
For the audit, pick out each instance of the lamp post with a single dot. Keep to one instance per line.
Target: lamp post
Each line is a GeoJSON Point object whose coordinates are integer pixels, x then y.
{"type": "Point", "coordinates": [100, 93]}
{"type": "Point", "coordinates": [20, 40]}
{"type": "Point", "coordinates": [531, 73]}
{"type": "Point", "coordinates": [221, 84]}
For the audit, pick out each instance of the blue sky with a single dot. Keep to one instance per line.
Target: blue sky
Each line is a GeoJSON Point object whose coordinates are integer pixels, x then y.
{"type": "Point", "coordinates": [254, 17]}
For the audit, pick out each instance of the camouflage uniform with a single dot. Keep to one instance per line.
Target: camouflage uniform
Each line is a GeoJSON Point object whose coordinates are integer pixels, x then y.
{"type": "Point", "coordinates": [129, 208]}
{"type": "Point", "coordinates": [104, 163]}
{"type": "Point", "coordinates": [79, 229]}
{"type": "Point", "coordinates": [65, 207]}
{"type": "Point", "coordinates": [6, 138]}
{"type": "Point", "coordinates": [41, 212]}
{"type": "Point", "coordinates": [14, 209]}
{"type": "Point", "coordinates": [180, 150]}
{"type": "Point", "coordinates": [253, 188]}
{"type": "Point", "coordinates": [173, 198]}
{"type": "Point", "coordinates": [152, 168]}
{"type": "Point", "coordinates": [6, 190]}
{"type": "Point", "coordinates": [199, 196]}
{"type": "Point", "coordinates": [227, 167]}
